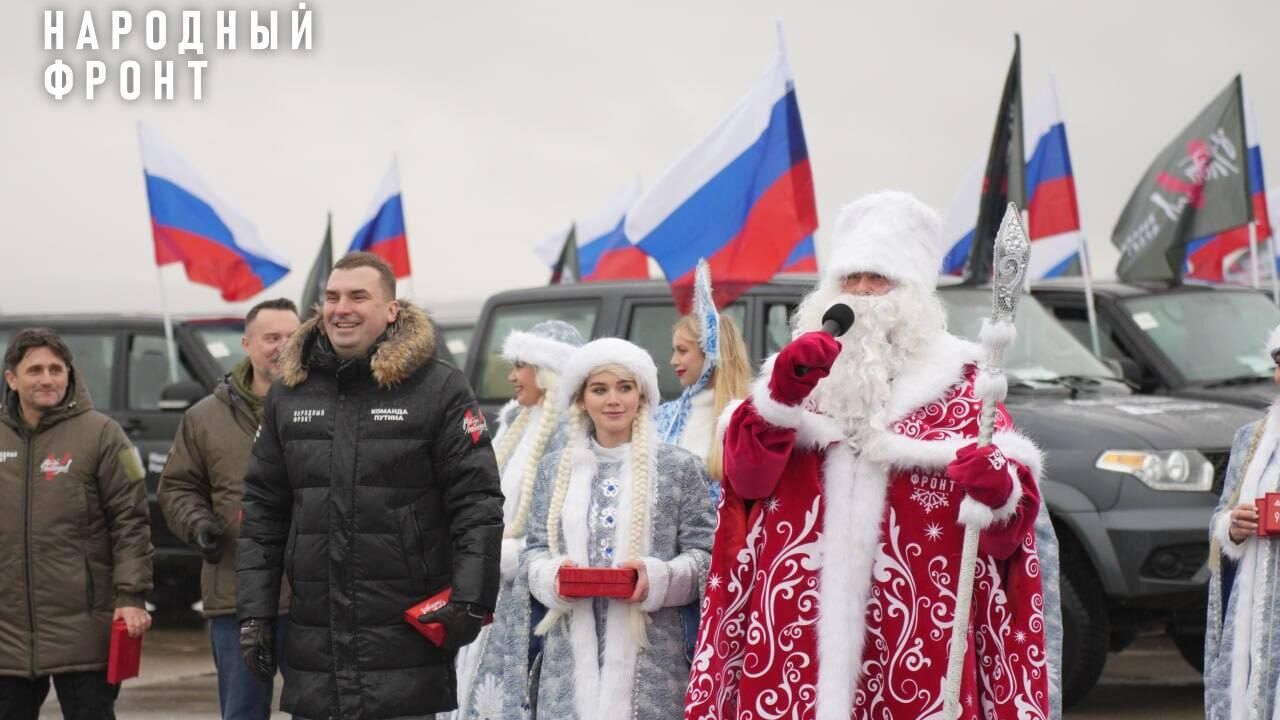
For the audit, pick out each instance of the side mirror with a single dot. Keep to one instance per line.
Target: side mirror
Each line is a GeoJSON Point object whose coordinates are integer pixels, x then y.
{"type": "Point", "coordinates": [1129, 370]}
{"type": "Point", "coordinates": [180, 396]}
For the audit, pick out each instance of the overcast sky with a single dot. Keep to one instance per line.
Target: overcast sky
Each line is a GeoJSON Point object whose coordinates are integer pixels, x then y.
{"type": "Point", "coordinates": [511, 118]}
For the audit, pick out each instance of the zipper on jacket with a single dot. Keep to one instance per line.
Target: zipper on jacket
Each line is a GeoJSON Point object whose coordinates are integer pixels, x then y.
{"type": "Point", "coordinates": [31, 608]}
{"type": "Point", "coordinates": [88, 585]}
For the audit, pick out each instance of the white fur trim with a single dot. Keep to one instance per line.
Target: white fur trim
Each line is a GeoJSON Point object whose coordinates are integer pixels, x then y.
{"type": "Point", "coordinates": [606, 351]}
{"type": "Point", "coordinates": [889, 233]}
{"type": "Point", "coordinates": [980, 515]}
{"type": "Point", "coordinates": [997, 335]}
{"type": "Point", "coordinates": [659, 582]}
{"type": "Point", "coordinates": [542, 583]}
{"type": "Point", "coordinates": [812, 429]}
{"type": "Point", "coordinates": [1222, 533]}
{"type": "Point", "coordinates": [1273, 342]}
{"type": "Point", "coordinates": [541, 352]}
{"type": "Point", "coordinates": [931, 375]}
{"type": "Point", "coordinates": [991, 387]}
{"type": "Point", "coordinates": [511, 549]}
{"type": "Point", "coordinates": [854, 491]}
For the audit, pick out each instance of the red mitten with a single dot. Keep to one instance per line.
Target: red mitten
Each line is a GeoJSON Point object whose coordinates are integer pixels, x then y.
{"type": "Point", "coordinates": [983, 474]}
{"type": "Point", "coordinates": [800, 365]}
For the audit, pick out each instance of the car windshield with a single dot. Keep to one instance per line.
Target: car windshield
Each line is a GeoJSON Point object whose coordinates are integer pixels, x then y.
{"type": "Point", "coordinates": [1209, 336]}
{"type": "Point", "coordinates": [1043, 352]}
{"type": "Point", "coordinates": [223, 342]}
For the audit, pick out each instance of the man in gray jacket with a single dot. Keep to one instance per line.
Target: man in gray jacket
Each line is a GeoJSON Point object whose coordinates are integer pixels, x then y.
{"type": "Point", "coordinates": [201, 488]}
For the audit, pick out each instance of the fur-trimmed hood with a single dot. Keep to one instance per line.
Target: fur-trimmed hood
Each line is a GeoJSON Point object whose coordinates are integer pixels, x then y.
{"type": "Point", "coordinates": [408, 344]}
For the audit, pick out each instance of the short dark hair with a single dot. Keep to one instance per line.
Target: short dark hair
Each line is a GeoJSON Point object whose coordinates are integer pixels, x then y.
{"type": "Point", "coordinates": [277, 304]}
{"type": "Point", "coordinates": [28, 339]}
{"type": "Point", "coordinates": [354, 260]}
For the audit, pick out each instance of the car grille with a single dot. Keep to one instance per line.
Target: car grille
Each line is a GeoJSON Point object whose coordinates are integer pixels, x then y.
{"type": "Point", "coordinates": [1219, 459]}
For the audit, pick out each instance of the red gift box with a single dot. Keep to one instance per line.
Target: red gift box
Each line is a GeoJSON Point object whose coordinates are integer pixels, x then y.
{"type": "Point", "coordinates": [583, 582]}
{"type": "Point", "coordinates": [125, 654]}
{"type": "Point", "coordinates": [433, 631]}
{"type": "Point", "coordinates": [1268, 514]}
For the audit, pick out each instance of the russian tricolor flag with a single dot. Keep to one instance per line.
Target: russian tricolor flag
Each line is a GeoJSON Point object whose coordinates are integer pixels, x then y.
{"type": "Point", "coordinates": [382, 231]}
{"type": "Point", "coordinates": [742, 198]}
{"type": "Point", "coordinates": [803, 259]}
{"type": "Point", "coordinates": [192, 225]}
{"type": "Point", "coordinates": [604, 253]}
{"type": "Point", "coordinates": [1225, 257]}
{"type": "Point", "coordinates": [958, 225]}
{"type": "Point", "coordinates": [1053, 215]}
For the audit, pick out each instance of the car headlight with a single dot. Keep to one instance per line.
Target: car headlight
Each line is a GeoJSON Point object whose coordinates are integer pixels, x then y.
{"type": "Point", "coordinates": [1184, 470]}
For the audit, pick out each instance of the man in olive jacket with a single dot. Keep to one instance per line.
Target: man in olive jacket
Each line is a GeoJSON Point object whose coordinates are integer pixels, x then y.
{"type": "Point", "coordinates": [201, 488]}
{"type": "Point", "coordinates": [74, 533]}
{"type": "Point", "coordinates": [372, 486]}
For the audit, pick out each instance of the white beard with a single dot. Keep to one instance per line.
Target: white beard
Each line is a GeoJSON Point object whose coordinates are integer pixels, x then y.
{"type": "Point", "coordinates": [889, 332]}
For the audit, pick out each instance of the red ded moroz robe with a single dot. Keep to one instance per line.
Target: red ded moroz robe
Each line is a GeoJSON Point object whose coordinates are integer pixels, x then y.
{"type": "Point", "coordinates": [833, 597]}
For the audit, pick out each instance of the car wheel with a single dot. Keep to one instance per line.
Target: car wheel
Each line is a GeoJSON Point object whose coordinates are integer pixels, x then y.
{"type": "Point", "coordinates": [1086, 630]}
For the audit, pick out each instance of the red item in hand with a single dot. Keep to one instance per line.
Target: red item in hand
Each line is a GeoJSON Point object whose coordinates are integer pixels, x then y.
{"type": "Point", "coordinates": [125, 654]}
{"type": "Point", "coordinates": [1268, 514]}
{"type": "Point", "coordinates": [983, 473]}
{"type": "Point", "coordinates": [800, 365]}
{"type": "Point", "coordinates": [584, 582]}
{"type": "Point", "coordinates": [433, 631]}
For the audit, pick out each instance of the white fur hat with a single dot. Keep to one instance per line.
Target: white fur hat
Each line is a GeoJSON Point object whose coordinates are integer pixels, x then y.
{"type": "Point", "coordinates": [608, 351]}
{"type": "Point", "coordinates": [890, 233]}
{"type": "Point", "coordinates": [1273, 342]}
{"type": "Point", "coordinates": [545, 345]}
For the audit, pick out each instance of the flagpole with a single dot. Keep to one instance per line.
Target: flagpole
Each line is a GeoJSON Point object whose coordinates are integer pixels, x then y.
{"type": "Point", "coordinates": [1091, 310]}
{"type": "Point", "coordinates": [168, 328]}
{"type": "Point", "coordinates": [1274, 271]}
{"type": "Point", "coordinates": [1253, 255]}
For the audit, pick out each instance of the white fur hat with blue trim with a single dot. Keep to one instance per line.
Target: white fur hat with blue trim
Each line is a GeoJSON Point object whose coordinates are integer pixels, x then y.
{"type": "Point", "coordinates": [546, 345]}
{"type": "Point", "coordinates": [608, 351]}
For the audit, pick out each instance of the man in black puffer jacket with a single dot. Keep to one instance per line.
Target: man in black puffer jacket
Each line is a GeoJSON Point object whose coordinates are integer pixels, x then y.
{"type": "Point", "coordinates": [372, 486]}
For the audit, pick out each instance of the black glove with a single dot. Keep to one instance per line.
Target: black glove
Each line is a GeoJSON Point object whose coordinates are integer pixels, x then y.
{"type": "Point", "coordinates": [209, 540]}
{"type": "Point", "coordinates": [257, 647]}
{"type": "Point", "coordinates": [461, 621]}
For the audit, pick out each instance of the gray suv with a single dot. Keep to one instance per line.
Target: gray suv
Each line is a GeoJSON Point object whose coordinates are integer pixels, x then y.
{"type": "Point", "coordinates": [1131, 481]}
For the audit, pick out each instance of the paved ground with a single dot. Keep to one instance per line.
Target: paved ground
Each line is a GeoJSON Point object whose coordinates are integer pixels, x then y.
{"type": "Point", "coordinates": [1148, 680]}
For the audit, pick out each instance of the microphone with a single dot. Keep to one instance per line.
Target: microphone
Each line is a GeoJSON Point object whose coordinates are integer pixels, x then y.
{"type": "Point", "coordinates": [836, 321]}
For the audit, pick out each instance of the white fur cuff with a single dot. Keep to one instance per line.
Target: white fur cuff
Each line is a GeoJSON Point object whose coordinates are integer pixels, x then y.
{"type": "Point", "coordinates": [511, 549]}
{"type": "Point", "coordinates": [1222, 533]}
{"type": "Point", "coordinates": [659, 574]}
{"type": "Point", "coordinates": [812, 430]}
{"type": "Point", "coordinates": [974, 513]}
{"type": "Point", "coordinates": [542, 583]}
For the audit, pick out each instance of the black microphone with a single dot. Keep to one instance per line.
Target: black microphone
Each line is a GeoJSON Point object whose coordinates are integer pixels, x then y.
{"type": "Point", "coordinates": [836, 321]}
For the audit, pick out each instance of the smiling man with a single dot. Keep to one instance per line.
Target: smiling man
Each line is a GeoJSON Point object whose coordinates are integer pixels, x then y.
{"type": "Point", "coordinates": [75, 535]}
{"type": "Point", "coordinates": [372, 486]}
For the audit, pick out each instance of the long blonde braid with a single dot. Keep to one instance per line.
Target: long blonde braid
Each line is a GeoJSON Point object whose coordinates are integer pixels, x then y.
{"type": "Point", "coordinates": [563, 473]}
{"type": "Point", "coordinates": [511, 437]}
{"type": "Point", "coordinates": [546, 426]}
{"type": "Point", "coordinates": [639, 482]}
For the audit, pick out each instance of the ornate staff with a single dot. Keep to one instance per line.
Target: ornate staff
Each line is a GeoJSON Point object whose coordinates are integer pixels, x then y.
{"type": "Point", "coordinates": [1012, 253]}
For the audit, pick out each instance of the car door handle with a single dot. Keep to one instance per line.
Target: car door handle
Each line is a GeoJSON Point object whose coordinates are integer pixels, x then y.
{"type": "Point", "coordinates": [132, 425]}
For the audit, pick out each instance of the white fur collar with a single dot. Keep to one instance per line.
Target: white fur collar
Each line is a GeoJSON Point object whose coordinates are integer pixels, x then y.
{"type": "Point", "coordinates": [929, 377]}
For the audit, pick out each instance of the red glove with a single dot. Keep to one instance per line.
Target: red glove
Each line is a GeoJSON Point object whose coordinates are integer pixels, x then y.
{"type": "Point", "coordinates": [815, 352]}
{"type": "Point", "coordinates": [983, 474]}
